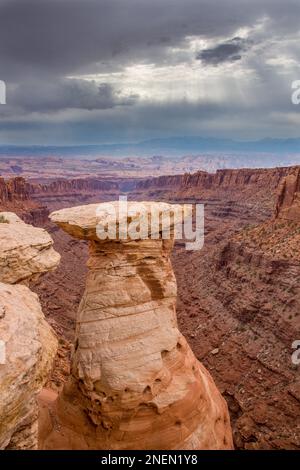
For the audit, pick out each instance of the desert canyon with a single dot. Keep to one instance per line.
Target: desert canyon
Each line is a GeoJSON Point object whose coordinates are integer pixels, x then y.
{"type": "Point", "coordinates": [123, 385]}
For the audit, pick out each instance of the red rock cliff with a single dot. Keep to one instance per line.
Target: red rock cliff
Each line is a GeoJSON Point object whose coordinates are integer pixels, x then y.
{"type": "Point", "coordinates": [221, 179]}
{"type": "Point", "coordinates": [288, 203]}
{"type": "Point", "coordinates": [15, 195]}
{"type": "Point", "coordinates": [74, 185]}
{"type": "Point", "coordinates": [14, 189]}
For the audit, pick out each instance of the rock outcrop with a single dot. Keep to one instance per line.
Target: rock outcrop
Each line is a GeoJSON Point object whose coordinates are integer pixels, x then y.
{"type": "Point", "coordinates": [16, 195]}
{"type": "Point", "coordinates": [288, 204]}
{"type": "Point", "coordinates": [27, 343]}
{"type": "Point", "coordinates": [135, 383]}
{"type": "Point", "coordinates": [29, 347]}
{"type": "Point", "coordinates": [25, 251]}
{"type": "Point", "coordinates": [14, 188]}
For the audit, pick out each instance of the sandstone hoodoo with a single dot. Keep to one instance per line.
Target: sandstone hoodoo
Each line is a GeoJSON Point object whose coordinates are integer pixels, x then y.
{"type": "Point", "coordinates": [27, 343]}
{"type": "Point", "coordinates": [134, 383]}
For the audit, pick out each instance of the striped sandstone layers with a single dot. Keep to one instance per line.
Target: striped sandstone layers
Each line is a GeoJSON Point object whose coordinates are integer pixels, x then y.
{"type": "Point", "coordinates": [27, 343]}
{"type": "Point", "coordinates": [134, 383]}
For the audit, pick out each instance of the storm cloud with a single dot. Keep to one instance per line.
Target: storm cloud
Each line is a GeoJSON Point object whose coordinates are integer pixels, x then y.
{"type": "Point", "coordinates": [60, 94]}
{"type": "Point", "coordinates": [229, 51]}
{"type": "Point", "coordinates": [107, 70]}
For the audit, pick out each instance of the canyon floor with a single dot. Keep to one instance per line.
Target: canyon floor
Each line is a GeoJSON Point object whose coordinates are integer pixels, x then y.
{"type": "Point", "coordinates": [238, 306]}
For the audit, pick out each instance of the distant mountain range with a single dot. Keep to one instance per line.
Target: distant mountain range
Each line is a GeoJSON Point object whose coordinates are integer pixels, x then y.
{"type": "Point", "coordinates": [168, 147]}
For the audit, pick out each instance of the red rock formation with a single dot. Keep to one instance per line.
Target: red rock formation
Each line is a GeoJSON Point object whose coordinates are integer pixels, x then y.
{"type": "Point", "coordinates": [288, 204]}
{"type": "Point", "coordinates": [15, 195]}
{"type": "Point", "coordinates": [222, 178]}
{"type": "Point", "coordinates": [78, 185]}
{"type": "Point", "coordinates": [67, 193]}
{"type": "Point", "coordinates": [14, 189]}
{"type": "Point", "coordinates": [135, 383]}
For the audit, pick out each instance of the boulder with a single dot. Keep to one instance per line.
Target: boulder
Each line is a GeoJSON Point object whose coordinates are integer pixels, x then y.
{"type": "Point", "coordinates": [25, 251]}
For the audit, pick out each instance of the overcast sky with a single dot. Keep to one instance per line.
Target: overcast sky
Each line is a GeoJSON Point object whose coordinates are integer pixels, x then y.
{"type": "Point", "coordinates": [95, 71]}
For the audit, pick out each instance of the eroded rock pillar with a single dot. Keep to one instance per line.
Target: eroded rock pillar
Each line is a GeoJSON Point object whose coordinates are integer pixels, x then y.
{"type": "Point", "coordinates": [134, 383]}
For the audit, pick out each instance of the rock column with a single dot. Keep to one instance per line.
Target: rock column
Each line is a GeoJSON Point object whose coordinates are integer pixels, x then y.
{"type": "Point", "coordinates": [134, 383]}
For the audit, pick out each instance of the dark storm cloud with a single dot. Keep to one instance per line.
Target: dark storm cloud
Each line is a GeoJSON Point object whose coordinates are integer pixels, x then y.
{"type": "Point", "coordinates": [60, 94]}
{"type": "Point", "coordinates": [229, 51]}
{"type": "Point", "coordinates": [63, 36]}
{"type": "Point", "coordinates": [45, 42]}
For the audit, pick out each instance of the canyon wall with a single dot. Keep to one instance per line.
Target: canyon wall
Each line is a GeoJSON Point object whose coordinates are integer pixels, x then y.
{"type": "Point", "coordinates": [18, 188]}
{"type": "Point", "coordinates": [16, 196]}
{"type": "Point", "coordinates": [69, 192]}
{"type": "Point", "coordinates": [249, 315]}
{"type": "Point", "coordinates": [78, 185]}
{"type": "Point", "coordinates": [235, 187]}
{"type": "Point", "coordinates": [30, 200]}
{"type": "Point", "coordinates": [222, 179]}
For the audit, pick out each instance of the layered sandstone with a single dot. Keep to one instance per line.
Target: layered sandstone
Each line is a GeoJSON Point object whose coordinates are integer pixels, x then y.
{"type": "Point", "coordinates": [234, 186]}
{"type": "Point", "coordinates": [239, 303]}
{"type": "Point", "coordinates": [68, 192]}
{"type": "Point", "coordinates": [244, 327]}
{"type": "Point", "coordinates": [229, 178]}
{"type": "Point", "coordinates": [135, 383]}
{"type": "Point", "coordinates": [25, 251]}
{"type": "Point", "coordinates": [29, 347]}
{"type": "Point", "coordinates": [28, 344]}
